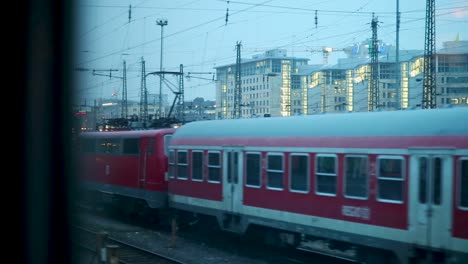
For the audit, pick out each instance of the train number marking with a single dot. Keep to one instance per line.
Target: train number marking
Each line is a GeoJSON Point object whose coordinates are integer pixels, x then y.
{"type": "Point", "coordinates": [354, 211]}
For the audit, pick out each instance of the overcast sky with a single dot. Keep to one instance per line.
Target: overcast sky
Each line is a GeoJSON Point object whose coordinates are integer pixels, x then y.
{"type": "Point", "coordinates": [198, 36]}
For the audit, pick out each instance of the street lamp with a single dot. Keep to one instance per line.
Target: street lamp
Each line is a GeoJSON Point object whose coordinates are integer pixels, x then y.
{"type": "Point", "coordinates": [162, 23]}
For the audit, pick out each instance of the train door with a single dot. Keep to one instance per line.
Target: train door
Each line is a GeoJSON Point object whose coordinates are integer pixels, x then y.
{"type": "Point", "coordinates": [430, 211]}
{"type": "Point", "coordinates": [232, 179]}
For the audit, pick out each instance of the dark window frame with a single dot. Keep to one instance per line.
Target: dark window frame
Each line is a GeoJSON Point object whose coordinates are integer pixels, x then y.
{"type": "Point", "coordinates": [460, 189]}
{"type": "Point", "coordinates": [167, 140]}
{"type": "Point", "coordinates": [268, 170]}
{"type": "Point", "coordinates": [124, 146]}
{"type": "Point", "coordinates": [307, 180]}
{"type": "Point", "coordinates": [402, 179]}
{"type": "Point", "coordinates": [181, 165]}
{"type": "Point", "coordinates": [324, 174]}
{"type": "Point", "coordinates": [172, 162]}
{"type": "Point", "coordinates": [259, 154]}
{"type": "Point", "coordinates": [108, 141]}
{"type": "Point", "coordinates": [345, 177]}
{"type": "Point", "coordinates": [193, 163]}
{"type": "Point", "coordinates": [218, 167]}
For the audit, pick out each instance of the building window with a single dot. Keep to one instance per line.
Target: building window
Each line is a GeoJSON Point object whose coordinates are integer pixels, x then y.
{"type": "Point", "coordinates": [214, 167]}
{"type": "Point", "coordinates": [390, 179]}
{"type": "Point", "coordinates": [325, 172]}
{"type": "Point", "coordinates": [275, 171]}
{"type": "Point", "coordinates": [299, 172]}
{"type": "Point", "coordinates": [197, 165]}
{"type": "Point", "coordinates": [356, 176]}
{"type": "Point", "coordinates": [171, 163]}
{"type": "Point", "coordinates": [463, 183]}
{"type": "Point", "coordinates": [182, 164]}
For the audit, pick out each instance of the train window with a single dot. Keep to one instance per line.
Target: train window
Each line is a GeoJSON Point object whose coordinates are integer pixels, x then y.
{"type": "Point", "coordinates": [464, 183]}
{"type": "Point", "coordinates": [233, 165]}
{"type": "Point", "coordinates": [299, 172]}
{"type": "Point", "coordinates": [88, 145]}
{"type": "Point", "coordinates": [130, 146]}
{"type": "Point", "coordinates": [325, 172]}
{"type": "Point", "coordinates": [275, 171]}
{"type": "Point", "coordinates": [214, 167]}
{"type": "Point", "coordinates": [356, 175]}
{"type": "Point", "coordinates": [171, 163]}
{"type": "Point", "coordinates": [437, 185]}
{"type": "Point", "coordinates": [150, 148]}
{"type": "Point", "coordinates": [113, 146]}
{"type": "Point", "coordinates": [182, 164]}
{"type": "Point", "coordinates": [108, 146]}
{"type": "Point", "coordinates": [390, 179]}
{"type": "Point", "coordinates": [197, 165]}
{"type": "Point", "coordinates": [167, 139]}
{"type": "Point", "coordinates": [423, 172]}
{"type": "Point", "coordinates": [253, 169]}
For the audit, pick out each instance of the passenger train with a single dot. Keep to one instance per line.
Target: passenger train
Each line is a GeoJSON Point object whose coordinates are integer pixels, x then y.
{"type": "Point", "coordinates": [370, 187]}
{"type": "Point", "coordinates": [389, 182]}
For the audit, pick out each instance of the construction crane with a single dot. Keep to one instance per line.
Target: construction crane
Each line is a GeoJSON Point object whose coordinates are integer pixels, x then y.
{"type": "Point", "coordinates": [325, 52]}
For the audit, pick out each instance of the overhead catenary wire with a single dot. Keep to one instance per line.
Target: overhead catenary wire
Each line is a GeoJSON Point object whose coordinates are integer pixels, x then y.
{"type": "Point", "coordinates": [303, 41]}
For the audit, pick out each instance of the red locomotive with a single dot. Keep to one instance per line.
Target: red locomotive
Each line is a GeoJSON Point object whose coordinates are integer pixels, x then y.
{"type": "Point", "coordinates": [383, 186]}
{"type": "Point", "coordinates": [127, 168]}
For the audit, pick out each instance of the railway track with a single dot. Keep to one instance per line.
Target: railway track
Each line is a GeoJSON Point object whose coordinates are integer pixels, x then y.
{"type": "Point", "coordinates": [118, 250]}
{"type": "Point", "coordinates": [200, 245]}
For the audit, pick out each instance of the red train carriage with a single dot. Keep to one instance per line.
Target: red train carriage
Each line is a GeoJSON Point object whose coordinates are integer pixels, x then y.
{"type": "Point", "coordinates": [364, 186]}
{"type": "Point", "coordinates": [128, 168]}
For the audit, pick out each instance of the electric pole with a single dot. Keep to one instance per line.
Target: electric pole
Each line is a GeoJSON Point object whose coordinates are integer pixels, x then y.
{"type": "Point", "coordinates": [144, 95]}
{"type": "Point", "coordinates": [237, 89]}
{"type": "Point", "coordinates": [429, 84]}
{"type": "Point", "coordinates": [397, 58]}
{"type": "Point", "coordinates": [124, 112]}
{"type": "Point", "coordinates": [181, 102]}
{"type": "Point", "coordinates": [162, 23]}
{"type": "Point", "coordinates": [374, 53]}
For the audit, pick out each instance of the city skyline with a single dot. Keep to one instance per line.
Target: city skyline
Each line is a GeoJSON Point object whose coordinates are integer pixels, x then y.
{"type": "Point", "coordinates": [200, 36]}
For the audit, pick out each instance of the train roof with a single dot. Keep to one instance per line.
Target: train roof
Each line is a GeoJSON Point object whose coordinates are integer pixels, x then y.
{"type": "Point", "coordinates": [422, 122]}
{"type": "Point", "coordinates": [127, 133]}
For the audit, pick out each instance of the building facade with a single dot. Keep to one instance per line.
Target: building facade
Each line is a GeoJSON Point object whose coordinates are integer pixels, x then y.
{"type": "Point", "coordinates": [266, 85]}
{"type": "Point", "coordinates": [273, 84]}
